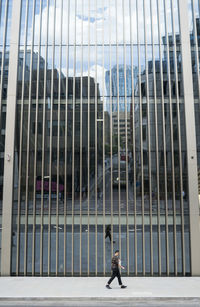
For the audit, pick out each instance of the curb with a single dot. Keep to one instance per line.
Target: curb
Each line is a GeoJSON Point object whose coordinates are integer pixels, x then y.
{"type": "Point", "coordinates": [99, 299]}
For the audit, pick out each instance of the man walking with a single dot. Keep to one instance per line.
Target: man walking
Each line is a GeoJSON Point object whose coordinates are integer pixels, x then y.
{"type": "Point", "coordinates": [108, 233]}
{"type": "Point", "coordinates": [116, 264]}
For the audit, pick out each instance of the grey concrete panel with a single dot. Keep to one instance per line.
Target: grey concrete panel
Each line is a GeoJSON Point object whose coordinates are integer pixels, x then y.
{"type": "Point", "coordinates": [9, 142]}
{"type": "Point", "coordinates": [191, 139]}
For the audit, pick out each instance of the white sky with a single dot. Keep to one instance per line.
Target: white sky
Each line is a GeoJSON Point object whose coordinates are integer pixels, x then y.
{"type": "Point", "coordinates": [100, 22]}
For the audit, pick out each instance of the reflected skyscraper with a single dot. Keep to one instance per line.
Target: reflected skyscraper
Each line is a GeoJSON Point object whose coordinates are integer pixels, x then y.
{"type": "Point", "coordinates": [118, 80]}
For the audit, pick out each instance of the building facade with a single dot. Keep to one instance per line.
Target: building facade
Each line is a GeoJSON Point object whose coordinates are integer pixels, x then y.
{"type": "Point", "coordinates": [100, 128]}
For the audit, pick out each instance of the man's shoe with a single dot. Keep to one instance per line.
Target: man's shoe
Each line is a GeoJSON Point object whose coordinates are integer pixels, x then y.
{"type": "Point", "coordinates": [123, 287]}
{"type": "Point", "coordinates": [108, 287]}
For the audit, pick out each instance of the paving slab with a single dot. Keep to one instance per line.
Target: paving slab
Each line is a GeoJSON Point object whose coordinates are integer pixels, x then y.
{"type": "Point", "coordinates": [93, 288]}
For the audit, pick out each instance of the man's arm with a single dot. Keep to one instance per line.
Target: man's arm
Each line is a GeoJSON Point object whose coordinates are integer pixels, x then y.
{"type": "Point", "coordinates": [121, 266]}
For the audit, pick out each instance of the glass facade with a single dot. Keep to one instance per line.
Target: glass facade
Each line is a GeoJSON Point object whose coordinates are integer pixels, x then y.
{"type": "Point", "coordinates": [100, 137]}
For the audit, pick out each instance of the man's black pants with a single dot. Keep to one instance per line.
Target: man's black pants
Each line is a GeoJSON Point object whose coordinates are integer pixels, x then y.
{"type": "Point", "coordinates": [115, 273]}
{"type": "Point", "coordinates": [108, 234]}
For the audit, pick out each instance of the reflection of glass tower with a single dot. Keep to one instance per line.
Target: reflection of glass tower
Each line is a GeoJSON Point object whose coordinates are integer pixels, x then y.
{"type": "Point", "coordinates": [121, 81]}
{"type": "Point", "coordinates": [120, 89]}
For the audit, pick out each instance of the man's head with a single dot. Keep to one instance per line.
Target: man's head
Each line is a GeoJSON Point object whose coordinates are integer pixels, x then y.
{"type": "Point", "coordinates": [117, 252]}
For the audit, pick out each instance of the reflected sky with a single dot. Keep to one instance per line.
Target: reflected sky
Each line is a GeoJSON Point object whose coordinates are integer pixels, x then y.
{"type": "Point", "coordinates": [95, 25]}
{"type": "Point", "coordinates": [93, 17]}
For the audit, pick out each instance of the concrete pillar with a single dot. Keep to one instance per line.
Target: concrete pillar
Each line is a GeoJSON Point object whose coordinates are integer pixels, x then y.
{"type": "Point", "coordinates": [9, 142]}
{"type": "Point", "coordinates": [190, 138]}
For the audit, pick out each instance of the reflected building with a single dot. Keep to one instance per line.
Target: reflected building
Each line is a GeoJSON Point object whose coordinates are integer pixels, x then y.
{"type": "Point", "coordinates": [166, 76]}
{"type": "Point", "coordinates": [55, 126]}
{"type": "Point", "coordinates": [4, 85]}
{"type": "Point", "coordinates": [114, 75]}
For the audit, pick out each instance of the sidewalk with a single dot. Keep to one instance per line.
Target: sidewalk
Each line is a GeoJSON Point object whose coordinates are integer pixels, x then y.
{"type": "Point", "coordinates": [84, 288]}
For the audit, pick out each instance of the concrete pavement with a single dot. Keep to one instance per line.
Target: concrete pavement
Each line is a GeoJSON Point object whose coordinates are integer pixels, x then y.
{"type": "Point", "coordinates": [88, 303]}
{"type": "Point", "coordinates": [91, 288]}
